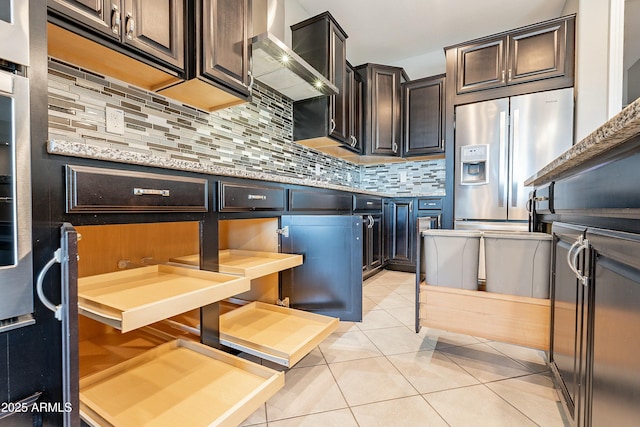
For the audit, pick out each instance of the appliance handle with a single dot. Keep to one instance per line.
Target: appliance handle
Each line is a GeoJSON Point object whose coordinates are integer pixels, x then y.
{"type": "Point", "coordinates": [502, 181]}
{"type": "Point", "coordinates": [514, 142]}
{"type": "Point", "coordinates": [57, 309]}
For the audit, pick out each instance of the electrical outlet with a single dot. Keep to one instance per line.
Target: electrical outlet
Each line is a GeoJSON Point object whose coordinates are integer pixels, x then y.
{"type": "Point", "coordinates": [115, 120]}
{"type": "Point", "coordinates": [318, 170]}
{"type": "Point", "coordinates": [402, 176]}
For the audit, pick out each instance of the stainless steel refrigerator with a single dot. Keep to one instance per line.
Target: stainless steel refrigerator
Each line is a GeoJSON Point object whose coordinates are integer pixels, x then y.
{"type": "Point", "coordinates": [498, 145]}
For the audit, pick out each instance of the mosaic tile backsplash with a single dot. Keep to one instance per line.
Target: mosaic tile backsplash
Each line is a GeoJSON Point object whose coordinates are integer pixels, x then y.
{"type": "Point", "coordinates": [254, 137]}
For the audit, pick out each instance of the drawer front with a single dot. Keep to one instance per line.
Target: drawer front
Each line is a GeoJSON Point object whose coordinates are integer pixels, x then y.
{"type": "Point", "coordinates": [318, 200]}
{"type": "Point", "coordinates": [544, 199]}
{"type": "Point", "coordinates": [367, 203]}
{"type": "Point", "coordinates": [90, 189]}
{"type": "Point", "coordinates": [430, 203]}
{"type": "Point", "coordinates": [243, 197]}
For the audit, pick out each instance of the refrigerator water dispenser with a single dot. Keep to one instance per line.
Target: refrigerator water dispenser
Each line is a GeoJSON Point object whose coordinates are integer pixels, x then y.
{"type": "Point", "coordinates": [473, 159]}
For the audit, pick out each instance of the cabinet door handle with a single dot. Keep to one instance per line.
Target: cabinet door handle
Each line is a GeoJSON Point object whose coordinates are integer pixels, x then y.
{"type": "Point", "coordinates": [503, 76]}
{"type": "Point", "coordinates": [510, 75]}
{"type": "Point", "coordinates": [257, 197]}
{"type": "Point", "coordinates": [394, 147]}
{"type": "Point", "coordinates": [333, 126]}
{"type": "Point", "coordinates": [572, 259]}
{"type": "Point", "coordinates": [251, 81]}
{"type": "Point", "coordinates": [115, 19]}
{"type": "Point", "coordinates": [151, 192]}
{"type": "Point", "coordinates": [130, 25]}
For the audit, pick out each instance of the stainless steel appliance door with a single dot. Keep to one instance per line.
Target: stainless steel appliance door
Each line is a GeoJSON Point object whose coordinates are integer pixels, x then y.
{"type": "Point", "coordinates": [479, 124]}
{"type": "Point", "coordinates": [541, 129]}
{"type": "Point", "coordinates": [14, 31]}
{"type": "Point", "coordinates": [16, 287]}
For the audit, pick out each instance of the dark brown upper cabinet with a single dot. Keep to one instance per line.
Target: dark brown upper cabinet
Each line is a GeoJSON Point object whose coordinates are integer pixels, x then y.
{"type": "Point", "coordinates": [224, 48]}
{"type": "Point", "coordinates": [354, 109]}
{"type": "Point", "coordinates": [322, 43]}
{"type": "Point", "coordinates": [154, 28]}
{"type": "Point", "coordinates": [423, 116]}
{"type": "Point", "coordinates": [193, 51]}
{"type": "Point", "coordinates": [382, 93]}
{"type": "Point", "coordinates": [218, 69]}
{"type": "Point", "coordinates": [532, 53]}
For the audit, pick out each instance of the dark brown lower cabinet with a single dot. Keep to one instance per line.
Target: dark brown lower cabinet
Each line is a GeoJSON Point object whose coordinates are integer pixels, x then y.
{"type": "Point", "coordinates": [372, 235]}
{"type": "Point", "coordinates": [399, 232]}
{"type": "Point", "coordinates": [595, 344]}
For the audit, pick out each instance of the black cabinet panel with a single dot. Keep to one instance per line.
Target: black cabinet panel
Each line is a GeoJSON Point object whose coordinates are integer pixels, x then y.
{"type": "Point", "coordinates": [435, 203]}
{"type": "Point", "coordinates": [481, 65]}
{"type": "Point", "coordinates": [569, 312]}
{"type": "Point", "coordinates": [382, 93]}
{"type": "Point", "coordinates": [225, 42]}
{"type": "Point", "coordinates": [423, 116]}
{"type": "Point", "coordinates": [251, 197]}
{"type": "Point", "coordinates": [362, 202]}
{"type": "Point", "coordinates": [318, 200]}
{"type": "Point", "coordinates": [615, 376]}
{"type": "Point", "coordinates": [108, 190]}
{"type": "Point", "coordinates": [156, 27]}
{"type": "Point", "coordinates": [99, 15]}
{"type": "Point", "coordinates": [330, 279]}
{"type": "Point", "coordinates": [399, 233]}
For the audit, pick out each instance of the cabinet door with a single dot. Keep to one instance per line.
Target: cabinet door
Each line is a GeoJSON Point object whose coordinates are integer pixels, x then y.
{"type": "Point", "coordinates": [376, 231]}
{"type": "Point", "coordinates": [399, 231]}
{"type": "Point", "coordinates": [569, 314]}
{"type": "Point", "coordinates": [536, 54]}
{"type": "Point", "coordinates": [354, 110]}
{"type": "Point", "coordinates": [423, 112]}
{"type": "Point", "coordinates": [156, 27]}
{"type": "Point", "coordinates": [339, 126]}
{"type": "Point", "coordinates": [103, 16]}
{"type": "Point", "coordinates": [481, 65]}
{"type": "Point", "coordinates": [384, 105]}
{"type": "Point", "coordinates": [329, 281]}
{"type": "Point", "coordinates": [615, 378]}
{"type": "Point", "coordinates": [225, 42]}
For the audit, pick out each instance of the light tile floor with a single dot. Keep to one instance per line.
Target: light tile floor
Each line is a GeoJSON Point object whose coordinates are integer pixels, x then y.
{"type": "Point", "coordinates": [381, 373]}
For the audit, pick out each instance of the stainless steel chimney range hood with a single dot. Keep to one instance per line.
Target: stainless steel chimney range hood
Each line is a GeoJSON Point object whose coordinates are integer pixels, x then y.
{"type": "Point", "coordinates": [276, 64]}
{"type": "Point", "coordinates": [279, 67]}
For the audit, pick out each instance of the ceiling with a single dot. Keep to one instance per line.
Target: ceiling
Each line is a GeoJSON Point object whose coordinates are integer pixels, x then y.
{"type": "Point", "coordinates": [413, 33]}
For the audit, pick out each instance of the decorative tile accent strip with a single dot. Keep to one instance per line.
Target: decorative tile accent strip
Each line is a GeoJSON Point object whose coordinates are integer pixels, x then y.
{"type": "Point", "coordinates": [255, 137]}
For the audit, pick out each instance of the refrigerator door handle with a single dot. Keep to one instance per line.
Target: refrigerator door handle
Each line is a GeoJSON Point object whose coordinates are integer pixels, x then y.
{"type": "Point", "coordinates": [502, 172]}
{"type": "Point", "coordinates": [513, 142]}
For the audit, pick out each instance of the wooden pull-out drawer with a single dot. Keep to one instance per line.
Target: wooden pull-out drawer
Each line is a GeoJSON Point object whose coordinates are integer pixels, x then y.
{"type": "Point", "coordinates": [243, 197]}
{"type": "Point", "coordinates": [178, 383]}
{"type": "Point", "coordinates": [92, 189]}
{"type": "Point", "coordinates": [281, 335]}
{"type": "Point", "coordinates": [134, 298]}
{"type": "Point", "coordinates": [507, 318]}
{"type": "Point", "coordinates": [250, 264]}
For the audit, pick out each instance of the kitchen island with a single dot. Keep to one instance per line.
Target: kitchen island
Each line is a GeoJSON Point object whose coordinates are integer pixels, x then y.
{"type": "Point", "coordinates": [588, 198]}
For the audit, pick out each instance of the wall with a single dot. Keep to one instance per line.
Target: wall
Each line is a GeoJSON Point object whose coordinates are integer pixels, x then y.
{"type": "Point", "coordinates": [405, 179]}
{"type": "Point", "coordinates": [255, 136]}
{"type": "Point", "coordinates": [598, 84]}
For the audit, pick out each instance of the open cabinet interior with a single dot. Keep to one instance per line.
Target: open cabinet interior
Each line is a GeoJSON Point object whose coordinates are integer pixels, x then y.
{"type": "Point", "coordinates": [127, 286]}
{"type": "Point", "coordinates": [257, 325]}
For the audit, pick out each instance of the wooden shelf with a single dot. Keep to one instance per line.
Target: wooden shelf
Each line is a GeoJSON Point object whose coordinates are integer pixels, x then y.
{"type": "Point", "coordinates": [177, 383]}
{"type": "Point", "coordinates": [111, 347]}
{"type": "Point", "coordinates": [507, 318]}
{"type": "Point", "coordinates": [281, 335]}
{"type": "Point", "coordinates": [250, 264]}
{"type": "Point", "coordinates": [134, 298]}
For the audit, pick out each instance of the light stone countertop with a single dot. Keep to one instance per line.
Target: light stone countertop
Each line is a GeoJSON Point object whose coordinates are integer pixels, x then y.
{"type": "Point", "coordinates": [76, 149]}
{"type": "Point", "coordinates": [615, 132]}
